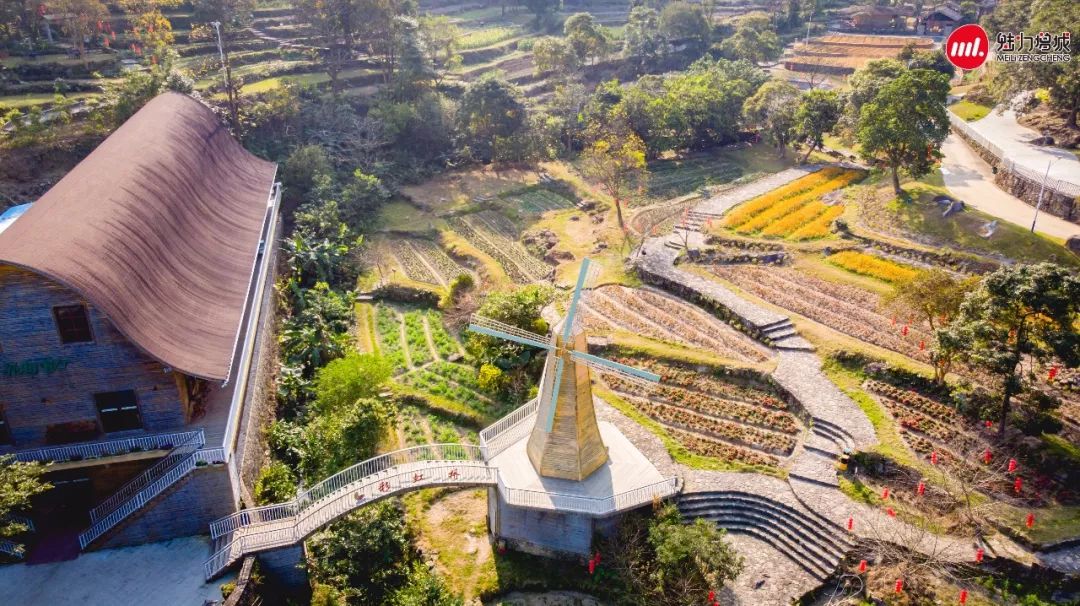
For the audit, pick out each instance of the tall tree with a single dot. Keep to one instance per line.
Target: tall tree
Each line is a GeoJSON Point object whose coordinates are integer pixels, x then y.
{"type": "Point", "coordinates": [79, 20]}
{"type": "Point", "coordinates": [489, 109]}
{"type": "Point", "coordinates": [642, 40]}
{"type": "Point", "coordinates": [616, 160]}
{"type": "Point", "coordinates": [817, 115]}
{"type": "Point", "coordinates": [440, 37]}
{"type": "Point", "coordinates": [1017, 317]}
{"type": "Point", "coordinates": [586, 36]}
{"type": "Point", "coordinates": [542, 10]}
{"type": "Point", "coordinates": [19, 483]}
{"type": "Point", "coordinates": [905, 124]}
{"type": "Point", "coordinates": [686, 23]}
{"type": "Point", "coordinates": [554, 54]}
{"type": "Point", "coordinates": [933, 296]}
{"type": "Point", "coordinates": [772, 109]}
{"type": "Point", "coordinates": [754, 40]}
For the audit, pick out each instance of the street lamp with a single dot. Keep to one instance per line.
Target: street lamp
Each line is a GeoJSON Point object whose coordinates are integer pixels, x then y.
{"type": "Point", "coordinates": [1042, 188]}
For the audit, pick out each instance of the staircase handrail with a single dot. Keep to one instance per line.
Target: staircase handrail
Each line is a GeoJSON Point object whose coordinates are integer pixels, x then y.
{"type": "Point", "coordinates": [193, 441]}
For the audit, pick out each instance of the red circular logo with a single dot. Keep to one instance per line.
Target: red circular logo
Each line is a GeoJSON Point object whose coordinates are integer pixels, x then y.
{"type": "Point", "coordinates": [968, 46]}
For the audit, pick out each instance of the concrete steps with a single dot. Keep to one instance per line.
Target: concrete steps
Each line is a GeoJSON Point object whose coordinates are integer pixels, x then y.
{"type": "Point", "coordinates": [809, 541]}
{"type": "Point", "coordinates": [783, 335]}
{"type": "Point", "coordinates": [833, 433]}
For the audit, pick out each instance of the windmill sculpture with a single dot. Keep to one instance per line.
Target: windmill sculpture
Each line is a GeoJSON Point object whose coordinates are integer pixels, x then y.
{"type": "Point", "coordinates": [565, 442]}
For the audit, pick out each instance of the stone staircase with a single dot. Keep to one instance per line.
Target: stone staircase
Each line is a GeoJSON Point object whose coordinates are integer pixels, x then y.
{"type": "Point", "coordinates": [807, 539]}
{"type": "Point", "coordinates": [782, 335]}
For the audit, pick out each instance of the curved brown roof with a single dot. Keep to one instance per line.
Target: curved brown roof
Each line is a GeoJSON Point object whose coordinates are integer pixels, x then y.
{"type": "Point", "coordinates": [159, 228]}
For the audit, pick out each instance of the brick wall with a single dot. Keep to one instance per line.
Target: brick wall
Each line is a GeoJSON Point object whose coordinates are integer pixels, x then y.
{"type": "Point", "coordinates": [108, 363]}
{"type": "Point", "coordinates": [185, 509]}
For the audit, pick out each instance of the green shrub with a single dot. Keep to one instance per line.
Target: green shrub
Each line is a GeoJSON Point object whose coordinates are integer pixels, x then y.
{"type": "Point", "coordinates": [275, 484]}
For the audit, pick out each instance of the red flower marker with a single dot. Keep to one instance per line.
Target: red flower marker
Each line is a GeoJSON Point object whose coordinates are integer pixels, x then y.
{"type": "Point", "coordinates": [862, 566]}
{"type": "Point", "coordinates": [989, 424]}
{"type": "Point", "coordinates": [1053, 373]}
{"type": "Point", "coordinates": [986, 455]}
{"type": "Point", "coordinates": [921, 488]}
{"type": "Point", "coordinates": [933, 458]}
{"type": "Point", "coordinates": [979, 553]}
{"type": "Point", "coordinates": [712, 595]}
{"type": "Point", "coordinates": [904, 331]}
{"type": "Point", "coordinates": [850, 524]}
{"type": "Point", "coordinates": [891, 512]}
{"type": "Point", "coordinates": [592, 566]}
{"type": "Point", "coordinates": [899, 586]}
{"type": "Point", "coordinates": [885, 494]}
{"type": "Point", "coordinates": [963, 596]}
{"type": "Point", "coordinates": [922, 345]}
{"type": "Point", "coordinates": [1017, 485]}
{"type": "Point", "coordinates": [1012, 465]}
{"type": "Point", "coordinates": [1030, 520]}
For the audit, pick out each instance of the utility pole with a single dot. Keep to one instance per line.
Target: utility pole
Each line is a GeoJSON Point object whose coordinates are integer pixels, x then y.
{"type": "Point", "coordinates": [1042, 188]}
{"type": "Point", "coordinates": [229, 90]}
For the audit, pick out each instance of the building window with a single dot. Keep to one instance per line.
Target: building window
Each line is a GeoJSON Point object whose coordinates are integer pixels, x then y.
{"type": "Point", "coordinates": [5, 430]}
{"type": "Point", "coordinates": [118, 410]}
{"type": "Point", "coordinates": [72, 323]}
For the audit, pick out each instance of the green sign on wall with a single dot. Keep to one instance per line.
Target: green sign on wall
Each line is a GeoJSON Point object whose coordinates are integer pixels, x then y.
{"type": "Point", "coordinates": [37, 366]}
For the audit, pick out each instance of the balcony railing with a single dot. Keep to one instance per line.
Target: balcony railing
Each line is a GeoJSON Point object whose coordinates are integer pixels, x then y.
{"type": "Point", "coordinates": [597, 506]}
{"type": "Point", "coordinates": [110, 448]}
{"type": "Point", "coordinates": [498, 436]}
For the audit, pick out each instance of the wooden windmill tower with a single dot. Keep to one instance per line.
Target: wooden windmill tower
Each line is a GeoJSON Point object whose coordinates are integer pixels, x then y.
{"type": "Point", "coordinates": [565, 441]}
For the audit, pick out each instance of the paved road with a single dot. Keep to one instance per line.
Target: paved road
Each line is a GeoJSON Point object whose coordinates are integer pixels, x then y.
{"type": "Point", "coordinates": [1004, 131]}
{"type": "Point", "coordinates": [970, 179]}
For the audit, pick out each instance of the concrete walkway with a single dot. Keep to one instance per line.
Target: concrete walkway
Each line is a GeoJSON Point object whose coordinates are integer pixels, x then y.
{"type": "Point", "coordinates": [169, 573]}
{"type": "Point", "coordinates": [970, 179]}
{"type": "Point", "coordinates": [1004, 131]}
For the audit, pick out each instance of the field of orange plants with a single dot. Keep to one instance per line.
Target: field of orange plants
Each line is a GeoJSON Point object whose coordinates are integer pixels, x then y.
{"type": "Point", "coordinates": [872, 265]}
{"type": "Point", "coordinates": [795, 211]}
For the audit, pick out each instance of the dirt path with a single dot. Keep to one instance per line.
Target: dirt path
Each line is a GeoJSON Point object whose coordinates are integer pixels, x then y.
{"type": "Point", "coordinates": [434, 272]}
{"type": "Point", "coordinates": [430, 341]}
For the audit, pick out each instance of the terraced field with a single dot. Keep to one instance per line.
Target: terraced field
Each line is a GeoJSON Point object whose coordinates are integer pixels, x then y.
{"type": "Point", "coordinates": [651, 313]}
{"type": "Point", "coordinates": [734, 419]}
{"type": "Point", "coordinates": [537, 200]}
{"type": "Point", "coordinates": [497, 237]}
{"type": "Point", "coordinates": [848, 309]}
{"type": "Point", "coordinates": [802, 210]}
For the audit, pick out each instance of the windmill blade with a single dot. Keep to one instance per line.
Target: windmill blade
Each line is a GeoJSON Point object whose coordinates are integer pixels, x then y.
{"type": "Point", "coordinates": [555, 385]}
{"type": "Point", "coordinates": [593, 275]}
{"type": "Point", "coordinates": [494, 328]}
{"type": "Point", "coordinates": [568, 323]}
{"type": "Point", "coordinates": [635, 375]}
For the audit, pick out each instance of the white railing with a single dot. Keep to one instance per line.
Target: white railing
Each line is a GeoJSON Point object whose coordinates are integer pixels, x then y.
{"type": "Point", "coordinates": [496, 437]}
{"type": "Point", "coordinates": [176, 456]}
{"type": "Point", "coordinates": [347, 477]}
{"type": "Point", "coordinates": [492, 324]}
{"type": "Point", "coordinates": [262, 265]}
{"type": "Point", "coordinates": [210, 456]}
{"type": "Point", "coordinates": [534, 499]}
{"type": "Point", "coordinates": [96, 450]}
{"type": "Point", "coordinates": [11, 548]}
{"type": "Point", "coordinates": [141, 498]}
{"type": "Point", "coordinates": [1062, 187]}
{"type": "Point", "coordinates": [279, 525]}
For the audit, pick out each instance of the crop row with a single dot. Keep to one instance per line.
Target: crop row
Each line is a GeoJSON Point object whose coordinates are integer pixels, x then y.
{"type": "Point", "coordinates": [439, 385]}
{"type": "Point", "coordinates": [522, 267]}
{"type": "Point", "coordinates": [695, 380]}
{"type": "Point", "coordinates": [699, 444]}
{"type": "Point", "coordinates": [688, 322]}
{"type": "Point", "coordinates": [445, 344]}
{"type": "Point", "coordinates": [438, 259]}
{"type": "Point", "coordinates": [388, 331]}
{"type": "Point", "coordinates": [726, 430]}
{"type": "Point", "coordinates": [841, 307]}
{"type": "Point", "coordinates": [410, 261]}
{"type": "Point", "coordinates": [804, 188]}
{"type": "Point", "coordinates": [538, 200]}
{"type": "Point", "coordinates": [419, 351]}
{"type": "Point", "coordinates": [458, 373]}
{"type": "Point", "coordinates": [675, 178]}
{"type": "Point", "coordinates": [872, 265]}
{"type": "Point", "coordinates": [913, 400]}
{"type": "Point", "coordinates": [788, 215]}
{"type": "Point", "coordinates": [727, 409]}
